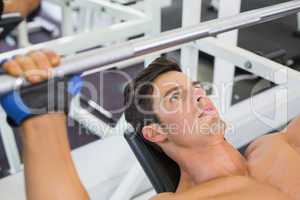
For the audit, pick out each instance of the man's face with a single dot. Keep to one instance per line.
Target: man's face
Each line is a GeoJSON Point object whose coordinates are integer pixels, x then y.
{"type": "Point", "coordinates": [187, 115]}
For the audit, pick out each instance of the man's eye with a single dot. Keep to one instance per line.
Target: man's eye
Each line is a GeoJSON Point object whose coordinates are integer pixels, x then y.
{"type": "Point", "coordinates": [175, 97]}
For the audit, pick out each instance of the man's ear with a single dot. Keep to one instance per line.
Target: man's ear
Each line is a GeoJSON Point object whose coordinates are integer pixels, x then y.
{"type": "Point", "coordinates": [154, 133]}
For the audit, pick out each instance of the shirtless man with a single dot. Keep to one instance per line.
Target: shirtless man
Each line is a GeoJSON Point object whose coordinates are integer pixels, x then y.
{"type": "Point", "coordinates": [176, 116]}
{"type": "Point", "coordinates": [210, 167]}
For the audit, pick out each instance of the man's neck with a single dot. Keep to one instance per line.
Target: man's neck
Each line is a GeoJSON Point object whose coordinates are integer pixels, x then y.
{"type": "Point", "coordinates": [213, 161]}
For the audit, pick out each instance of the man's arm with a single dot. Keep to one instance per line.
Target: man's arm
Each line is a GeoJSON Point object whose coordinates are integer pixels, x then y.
{"type": "Point", "coordinates": [49, 170]}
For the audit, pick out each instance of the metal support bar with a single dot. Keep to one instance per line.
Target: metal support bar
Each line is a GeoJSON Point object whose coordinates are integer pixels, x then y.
{"type": "Point", "coordinates": [40, 23]}
{"type": "Point", "coordinates": [72, 44]}
{"type": "Point", "coordinates": [153, 10]}
{"type": "Point", "coordinates": [249, 61]}
{"type": "Point", "coordinates": [140, 47]}
{"type": "Point", "coordinates": [224, 70]}
{"type": "Point", "coordinates": [10, 145]}
{"type": "Point", "coordinates": [23, 40]}
{"type": "Point", "coordinates": [67, 27]}
{"type": "Point", "coordinates": [114, 9]}
{"type": "Point", "coordinates": [190, 55]}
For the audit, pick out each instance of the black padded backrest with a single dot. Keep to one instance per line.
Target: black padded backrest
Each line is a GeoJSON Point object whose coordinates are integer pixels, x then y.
{"type": "Point", "coordinates": [163, 172]}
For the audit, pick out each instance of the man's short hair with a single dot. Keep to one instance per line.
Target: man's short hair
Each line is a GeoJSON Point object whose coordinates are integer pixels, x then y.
{"type": "Point", "coordinates": [139, 111]}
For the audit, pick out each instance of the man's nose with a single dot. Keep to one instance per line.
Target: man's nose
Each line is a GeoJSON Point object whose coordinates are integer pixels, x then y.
{"type": "Point", "coordinates": [199, 98]}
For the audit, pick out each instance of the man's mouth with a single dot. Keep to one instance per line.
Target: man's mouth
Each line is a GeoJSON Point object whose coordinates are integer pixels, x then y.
{"type": "Point", "coordinates": [207, 112]}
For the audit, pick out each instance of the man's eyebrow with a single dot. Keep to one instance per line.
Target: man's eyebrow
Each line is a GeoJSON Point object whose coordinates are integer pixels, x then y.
{"type": "Point", "coordinates": [171, 90]}
{"type": "Point", "coordinates": [196, 83]}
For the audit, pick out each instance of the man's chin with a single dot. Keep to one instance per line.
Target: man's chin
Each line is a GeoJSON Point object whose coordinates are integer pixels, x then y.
{"type": "Point", "coordinates": [216, 126]}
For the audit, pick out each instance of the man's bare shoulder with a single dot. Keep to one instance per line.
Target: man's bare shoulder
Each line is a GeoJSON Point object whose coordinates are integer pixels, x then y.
{"type": "Point", "coordinates": [234, 188]}
{"type": "Point", "coordinates": [264, 142]}
{"type": "Point", "coordinates": [277, 139]}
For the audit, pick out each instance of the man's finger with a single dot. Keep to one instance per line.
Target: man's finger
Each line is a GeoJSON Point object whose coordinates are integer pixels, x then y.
{"type": "Point", "coordinates": [13, 68]}
{"type": "Point", "coordinates": [42, 63]}
{"type": "Point", "coordinates": [53, 58]}
{"type": "Point", "coordinates": [29, 68]}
